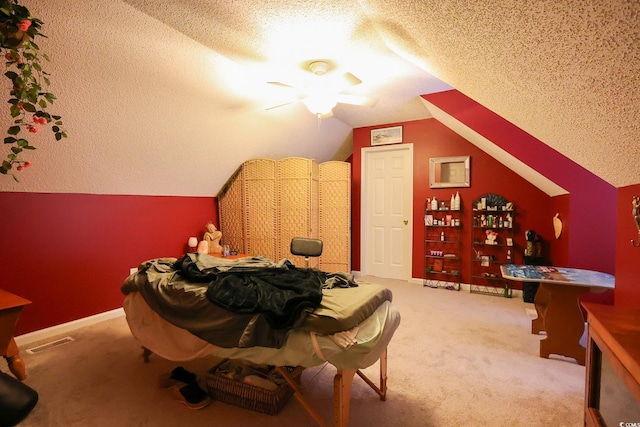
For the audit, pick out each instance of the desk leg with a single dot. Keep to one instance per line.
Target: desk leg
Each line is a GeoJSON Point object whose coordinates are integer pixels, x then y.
{"type": "Point", "coordinates": [540, 303]}
{"type": "Point", "coordinates": [563, 322]}
{"type": "Point", "coordinates": [15, 362]}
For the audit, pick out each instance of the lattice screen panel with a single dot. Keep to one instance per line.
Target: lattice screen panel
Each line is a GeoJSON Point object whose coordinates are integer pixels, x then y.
{"type": "Point", "coordinates": [334, 225]}
{"type": "Point", "coordinates": [269, 202]}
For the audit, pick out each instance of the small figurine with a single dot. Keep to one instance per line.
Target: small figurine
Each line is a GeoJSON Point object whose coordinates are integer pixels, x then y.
{"type": "Point", "coordinates": [492, 237]}
{"type": "Point", "coordinates": [212, 237]}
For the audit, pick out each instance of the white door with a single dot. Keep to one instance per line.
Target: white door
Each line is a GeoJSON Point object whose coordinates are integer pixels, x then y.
{"type": "Point", "coordinates": [387, 211]}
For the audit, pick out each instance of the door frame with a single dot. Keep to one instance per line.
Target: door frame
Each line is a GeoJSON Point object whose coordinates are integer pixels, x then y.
{"type": "Point", "coordinates": [364, 222]}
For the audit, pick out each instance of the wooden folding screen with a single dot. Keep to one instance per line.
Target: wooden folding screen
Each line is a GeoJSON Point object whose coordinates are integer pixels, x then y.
{"type": "Point", "coordinates": [266, 203]}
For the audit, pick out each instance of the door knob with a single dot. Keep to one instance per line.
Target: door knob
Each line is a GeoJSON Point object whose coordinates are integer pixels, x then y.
{"type": "Point", "coordinates": [406, 222]}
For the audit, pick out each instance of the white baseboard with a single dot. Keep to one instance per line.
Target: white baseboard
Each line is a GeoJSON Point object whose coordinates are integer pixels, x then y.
{"type": "Point", "coordinates": [47, 333]}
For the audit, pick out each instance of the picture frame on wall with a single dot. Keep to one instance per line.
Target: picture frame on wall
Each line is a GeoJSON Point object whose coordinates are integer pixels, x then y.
{"type": "Point", "coordinates": [390, 135]}
{"type": "Point", "coordinates": [448, 172]}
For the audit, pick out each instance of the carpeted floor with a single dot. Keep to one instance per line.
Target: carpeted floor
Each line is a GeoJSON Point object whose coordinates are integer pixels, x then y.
{"type": "Point", "coordinates": [457, 359]}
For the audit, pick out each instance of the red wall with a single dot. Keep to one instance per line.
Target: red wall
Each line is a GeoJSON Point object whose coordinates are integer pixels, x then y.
{"type": "Point", "coordinates": [432, 139]}
{"type": "Point", "coordinates": [627, 293]}
{"type": "Point", "coordinates": [69, 253]}
{"type": "Point", "coordinates": [593, 223]}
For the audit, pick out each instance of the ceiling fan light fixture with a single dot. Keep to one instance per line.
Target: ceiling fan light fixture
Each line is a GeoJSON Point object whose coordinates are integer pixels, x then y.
{"type": "Point", "coordinates": [319, 68]}
{"type": "Point", "coordinates": [320, 104]}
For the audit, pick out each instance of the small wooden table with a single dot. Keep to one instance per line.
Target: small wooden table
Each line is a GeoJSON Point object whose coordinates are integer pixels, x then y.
{"type": "Point", "coordinates": [10, 308]}
{"type": "Point", "coordinates": [557, 304]}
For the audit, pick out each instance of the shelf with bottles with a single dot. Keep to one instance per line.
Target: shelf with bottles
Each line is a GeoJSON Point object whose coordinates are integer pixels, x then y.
{"type": "Point", "coordinates": [491, 220]}
{"type": "Point", "coordinates": [448, 236]}
{"type": "Point", "coordinates": [434, 205]}
{"type": "Point", "coordinates": [442, 218]}
{"type": "Point", "coordinates": [442, 243]}
{"type": "Point", "coordinates": [492, 228]}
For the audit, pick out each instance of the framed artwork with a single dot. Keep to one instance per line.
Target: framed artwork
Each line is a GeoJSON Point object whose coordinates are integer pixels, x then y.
{"type": "Point", "coordinates": [391, 135]}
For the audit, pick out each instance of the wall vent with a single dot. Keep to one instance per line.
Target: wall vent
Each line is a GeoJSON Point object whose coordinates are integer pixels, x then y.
{"type": "Point", "coordinates": [56, 343]}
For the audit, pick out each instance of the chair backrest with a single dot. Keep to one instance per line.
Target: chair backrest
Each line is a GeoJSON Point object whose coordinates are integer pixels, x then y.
{"type": "Point", "coordinates": [306, 247]}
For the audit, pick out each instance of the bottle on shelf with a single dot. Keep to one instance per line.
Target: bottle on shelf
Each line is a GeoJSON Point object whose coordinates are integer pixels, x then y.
{"type": "Point", "coordinates": [457, 201]}
{"type": "Point", "coordinates": [434, 204]}
{"type": "Point", "coordinates": [452, 203]}
{"type": "Point", "coordinates": [442, 236]}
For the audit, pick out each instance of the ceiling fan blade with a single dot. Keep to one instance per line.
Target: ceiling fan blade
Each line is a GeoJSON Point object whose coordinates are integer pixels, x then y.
{"type": "Point", "coordinates": [280, 84]}
{"type": "Point", "coordinates": [356, 100]}
{"type": "Point", "coordinates": [350, 79]}
{"type": "Point", "coordinates": [282, 104]}
{"type": "Point", "coordinates": [337, 82]}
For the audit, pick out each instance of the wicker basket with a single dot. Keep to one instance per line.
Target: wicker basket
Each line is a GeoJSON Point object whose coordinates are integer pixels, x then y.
{"type": "Point", "coordinates": [249, 396]}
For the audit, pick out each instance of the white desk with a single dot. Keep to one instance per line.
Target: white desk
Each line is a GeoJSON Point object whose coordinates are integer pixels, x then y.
{"type": "Point", "coordinates": [557, 305]}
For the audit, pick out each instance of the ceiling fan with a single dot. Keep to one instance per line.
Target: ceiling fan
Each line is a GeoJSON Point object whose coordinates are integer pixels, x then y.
{"type": "Point", "coordinates": [325, 91]}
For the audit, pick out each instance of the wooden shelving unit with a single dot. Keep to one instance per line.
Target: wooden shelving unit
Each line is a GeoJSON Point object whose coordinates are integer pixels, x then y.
{"type": "Point", "coordinates": [442, 247]}
{"type": "Point", "coordinates": [493, 221]}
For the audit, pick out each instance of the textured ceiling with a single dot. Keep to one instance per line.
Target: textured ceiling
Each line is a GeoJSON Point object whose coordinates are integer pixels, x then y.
{"type": "Point", "coordinates": [567, 72]}
{"type": "Point", "coordinates": [153, 91]}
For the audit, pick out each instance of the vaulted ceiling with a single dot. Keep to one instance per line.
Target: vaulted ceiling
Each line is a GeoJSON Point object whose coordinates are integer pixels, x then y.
{"type": "Point", "coordinates": [169, 97]}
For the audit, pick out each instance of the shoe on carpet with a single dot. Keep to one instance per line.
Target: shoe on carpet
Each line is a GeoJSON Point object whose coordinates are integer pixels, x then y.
{"type": "Point", "coordinates": [179, 374]}
{"type": "Point", "coordinates": [191, 395]}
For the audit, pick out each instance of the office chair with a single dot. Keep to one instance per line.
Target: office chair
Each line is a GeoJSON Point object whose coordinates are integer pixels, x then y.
{"type": "Point", "coordinates": [306, 247]}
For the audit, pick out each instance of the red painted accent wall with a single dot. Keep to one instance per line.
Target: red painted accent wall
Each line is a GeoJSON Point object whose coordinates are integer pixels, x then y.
{"type": "Point", "coordinates": [432, 139]}
{"type": "Point", "coordinates": [627, 293]}
{"type": "Point", "coordinates": [591, 245]}
{"type": "Point", "coordinates": [69, 253]}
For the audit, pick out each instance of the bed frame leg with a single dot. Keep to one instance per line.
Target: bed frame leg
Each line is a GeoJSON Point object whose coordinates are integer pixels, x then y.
{"type": "Point", "coordinates": [342, 396]}
{"type": "Point", "coordinates": [382, 389]}
{"type": "Point", "coordinates": [298, 394]}
{"type": "Point", "coordinates": [342, 383]}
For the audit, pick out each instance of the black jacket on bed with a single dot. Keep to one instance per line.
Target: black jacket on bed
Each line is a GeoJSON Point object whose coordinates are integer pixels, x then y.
{"type": "Point", "coordinates": [281, 294]}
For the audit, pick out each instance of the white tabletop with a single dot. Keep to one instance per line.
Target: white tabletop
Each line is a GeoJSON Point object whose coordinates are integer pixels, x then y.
{"type": "Point", "coordinates": [559, 275]}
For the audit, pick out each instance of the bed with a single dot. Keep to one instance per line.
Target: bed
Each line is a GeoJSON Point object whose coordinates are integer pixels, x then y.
{"type": "Point", "coordinates": [169, 310]}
